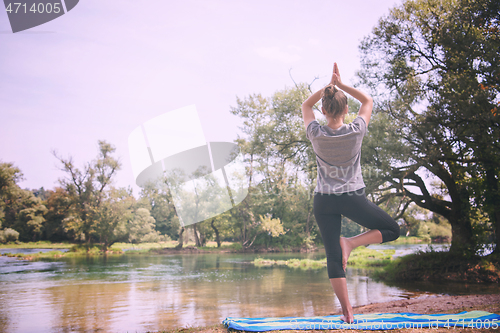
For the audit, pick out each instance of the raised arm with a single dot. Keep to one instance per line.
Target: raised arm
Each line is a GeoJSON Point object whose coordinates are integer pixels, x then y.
{"type": "Point", "coordinates": [365, 111]}
{"type": "Point", "coordinates": [307, 107]}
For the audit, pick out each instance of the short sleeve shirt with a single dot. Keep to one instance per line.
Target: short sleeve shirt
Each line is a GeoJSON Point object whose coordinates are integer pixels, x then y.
{"type": "Point", "coordinates": [338, 155]}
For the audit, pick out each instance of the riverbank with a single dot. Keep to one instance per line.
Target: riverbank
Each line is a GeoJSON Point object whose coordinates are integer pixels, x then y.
{"type": "Point", "coordinates": [210, 246]}
{"type": "Point", "coordinates": [442, 266]}
{"type": "Point", "coordinates": [422, 305]}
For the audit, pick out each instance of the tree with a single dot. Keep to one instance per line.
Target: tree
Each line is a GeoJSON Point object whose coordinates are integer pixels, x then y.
{"type": "Point", "coordinates": [87, 190]}
{"type": "Point", "coordinates": [281, 164]}
{"type": "Point", "coordinates": [58, 205]}
{"type": "Point", "coordinates": [160, 204]}
{"type": "Point", "coordinates": [142, 227]}
{"type": "Point", "coordinates": [434, 65]}
{"type": "Point", "coordinates": [20, 210]}
{"type": "Point", "coordinates": [110, 217]}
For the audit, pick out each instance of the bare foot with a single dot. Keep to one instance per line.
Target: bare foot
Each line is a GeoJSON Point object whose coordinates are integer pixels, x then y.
{"type": "Point", "coordinates": [348, 318]}
{"type": "Point", "coordinates": [346, 251]}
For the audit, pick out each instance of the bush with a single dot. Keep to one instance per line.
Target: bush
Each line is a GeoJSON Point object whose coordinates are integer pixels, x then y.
{"type": "Point", "coordinates": [8, 235]}
{"type": "Point", "coordinates": [152, 237]}
{"type": "Point", "coordinates": [236, 246]}
{"type": "Point", "coordinates": [431, 230]}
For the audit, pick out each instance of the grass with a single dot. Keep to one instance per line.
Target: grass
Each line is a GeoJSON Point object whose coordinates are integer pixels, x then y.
{"type": "Point", "coordinates": [36, 245]}
{"type": "Point", "coordinates": [409, 240]}
{"type": "Point", "coordinates": [117, 248]}
{"type": "Point", "coordinates": [35, 256]}
{"type": "Point", "coordinates": [360, 257]}
{"type": "Point", "coordinates": [75, 251]}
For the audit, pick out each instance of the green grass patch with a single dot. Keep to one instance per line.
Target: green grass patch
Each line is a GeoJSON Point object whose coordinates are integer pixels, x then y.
{"type": "Point", "coordinates": [409, 240]}
{"type": "Point", "coordinates": [140, 246]}
{"type": "Point", "coordinates": [360, 257]}
{"type": "Point", "coordinates": [366, 257]}
{"type": "Point", "coordinates": [35, 256]}
{"type": "Point", "coordinates": [74, 251]}
{"type": "Point", "coordinates": [36, 245]}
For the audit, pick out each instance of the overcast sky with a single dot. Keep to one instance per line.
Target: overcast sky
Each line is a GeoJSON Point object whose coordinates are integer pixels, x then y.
{"type": "Point", "coordinates": [106, 67]}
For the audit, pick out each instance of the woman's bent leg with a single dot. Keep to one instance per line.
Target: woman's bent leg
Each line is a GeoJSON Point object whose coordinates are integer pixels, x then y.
{"type": "Point", "coordinates": [358, 208]}
{"type": "Point", "coordinates": [348, 244]}
{"type": "Point", "coordinates": [366, 213]}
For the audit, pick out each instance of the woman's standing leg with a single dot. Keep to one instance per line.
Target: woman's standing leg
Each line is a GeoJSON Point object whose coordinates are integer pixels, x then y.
{"type": "Point", "coordinates": [329, 223]}
{"type": "Point", "coordinates": [340, 288]}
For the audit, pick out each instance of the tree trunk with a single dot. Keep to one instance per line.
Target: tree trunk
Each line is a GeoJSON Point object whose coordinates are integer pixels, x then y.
{"type": "Point", "coordinates": [492, 203]}
{"type": "Point", "coordinates": [217, 237]}
{"type": "Point", "coordinates": [308, 230]}
{"type": "Point", "coordinates": [196, 238]}
{"type": "Point", "coordinates": [461, 227]}
{"type": "Point", "coordinates": [203, 239]}
{"type": "Point", "coordinates": [87, 241]}
{"type": "Point", "coordinates": [181, 239]}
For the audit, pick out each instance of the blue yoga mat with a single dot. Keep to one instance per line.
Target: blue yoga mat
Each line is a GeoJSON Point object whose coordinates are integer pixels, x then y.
{"type": "Point", "coordinates": [370, 321]}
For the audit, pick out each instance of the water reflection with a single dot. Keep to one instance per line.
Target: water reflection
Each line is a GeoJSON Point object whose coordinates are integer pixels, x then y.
{"type": "Point", "coordinates": [140, 293]}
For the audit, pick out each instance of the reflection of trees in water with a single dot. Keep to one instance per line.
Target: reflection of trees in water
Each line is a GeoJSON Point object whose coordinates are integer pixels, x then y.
{"type": "Point", "coordinates": [88, 307]}
{"type": "Point", "coordinates": [5, 322]}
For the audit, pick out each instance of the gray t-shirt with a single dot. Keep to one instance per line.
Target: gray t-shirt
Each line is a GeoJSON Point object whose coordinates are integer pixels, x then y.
{"type": "Point", "coordinates": [338, 155]}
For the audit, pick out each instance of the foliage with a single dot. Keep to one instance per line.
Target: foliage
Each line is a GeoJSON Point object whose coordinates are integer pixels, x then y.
{"type": "Point", "coordinates": [162, 209]}
{"type": "Point", "coordinates": [434, 68]}
{"type": "Point", "coordinates": [111, 216]}
{"type": "Point", "coordinates": [8, 235]}
{"type": "Point", "coordinates": [58, 203]}
{"type": "Point", "coordinates": [272, 226]}
{"type": "Point", "coordinates": [142, 228]}
{"type": "Point", "coordinates": [20, 210]}
{"type": "Point", "coordinates": [96, 211]}
{"type": "Point", "coordinates": [350, 228]}
{"type": "Point", "coordinates": [281, 168]}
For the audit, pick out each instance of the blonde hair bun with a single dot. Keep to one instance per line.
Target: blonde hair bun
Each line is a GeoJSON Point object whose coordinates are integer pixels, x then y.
{"type": "Point", "coordinates": [334, 101]}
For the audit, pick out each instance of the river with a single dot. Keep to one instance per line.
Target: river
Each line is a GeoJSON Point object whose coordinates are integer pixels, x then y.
{"type": "Point", "coordinates": [137, 293]}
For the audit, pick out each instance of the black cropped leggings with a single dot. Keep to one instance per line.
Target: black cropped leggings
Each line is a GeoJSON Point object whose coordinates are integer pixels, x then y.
{"type": "Point", "coordinates": [328, 211]}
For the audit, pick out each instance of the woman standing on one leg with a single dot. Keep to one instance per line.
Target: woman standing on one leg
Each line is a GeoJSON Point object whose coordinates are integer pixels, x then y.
{"type": "Point", "coordinates": [340, 186]}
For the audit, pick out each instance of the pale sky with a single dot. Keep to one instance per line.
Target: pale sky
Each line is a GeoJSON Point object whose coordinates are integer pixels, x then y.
{"type": "Point", "coordinates": [106, 67]}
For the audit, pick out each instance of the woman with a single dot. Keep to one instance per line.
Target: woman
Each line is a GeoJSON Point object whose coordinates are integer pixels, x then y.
{"type": "Point", "coordinates": [340, 187]}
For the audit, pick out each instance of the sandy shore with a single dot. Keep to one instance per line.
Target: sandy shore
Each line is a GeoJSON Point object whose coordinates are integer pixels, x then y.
{"type": "Point", "coordinates": [435, 304]}
{"type": "Point", "coordinates": [423, 305]}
